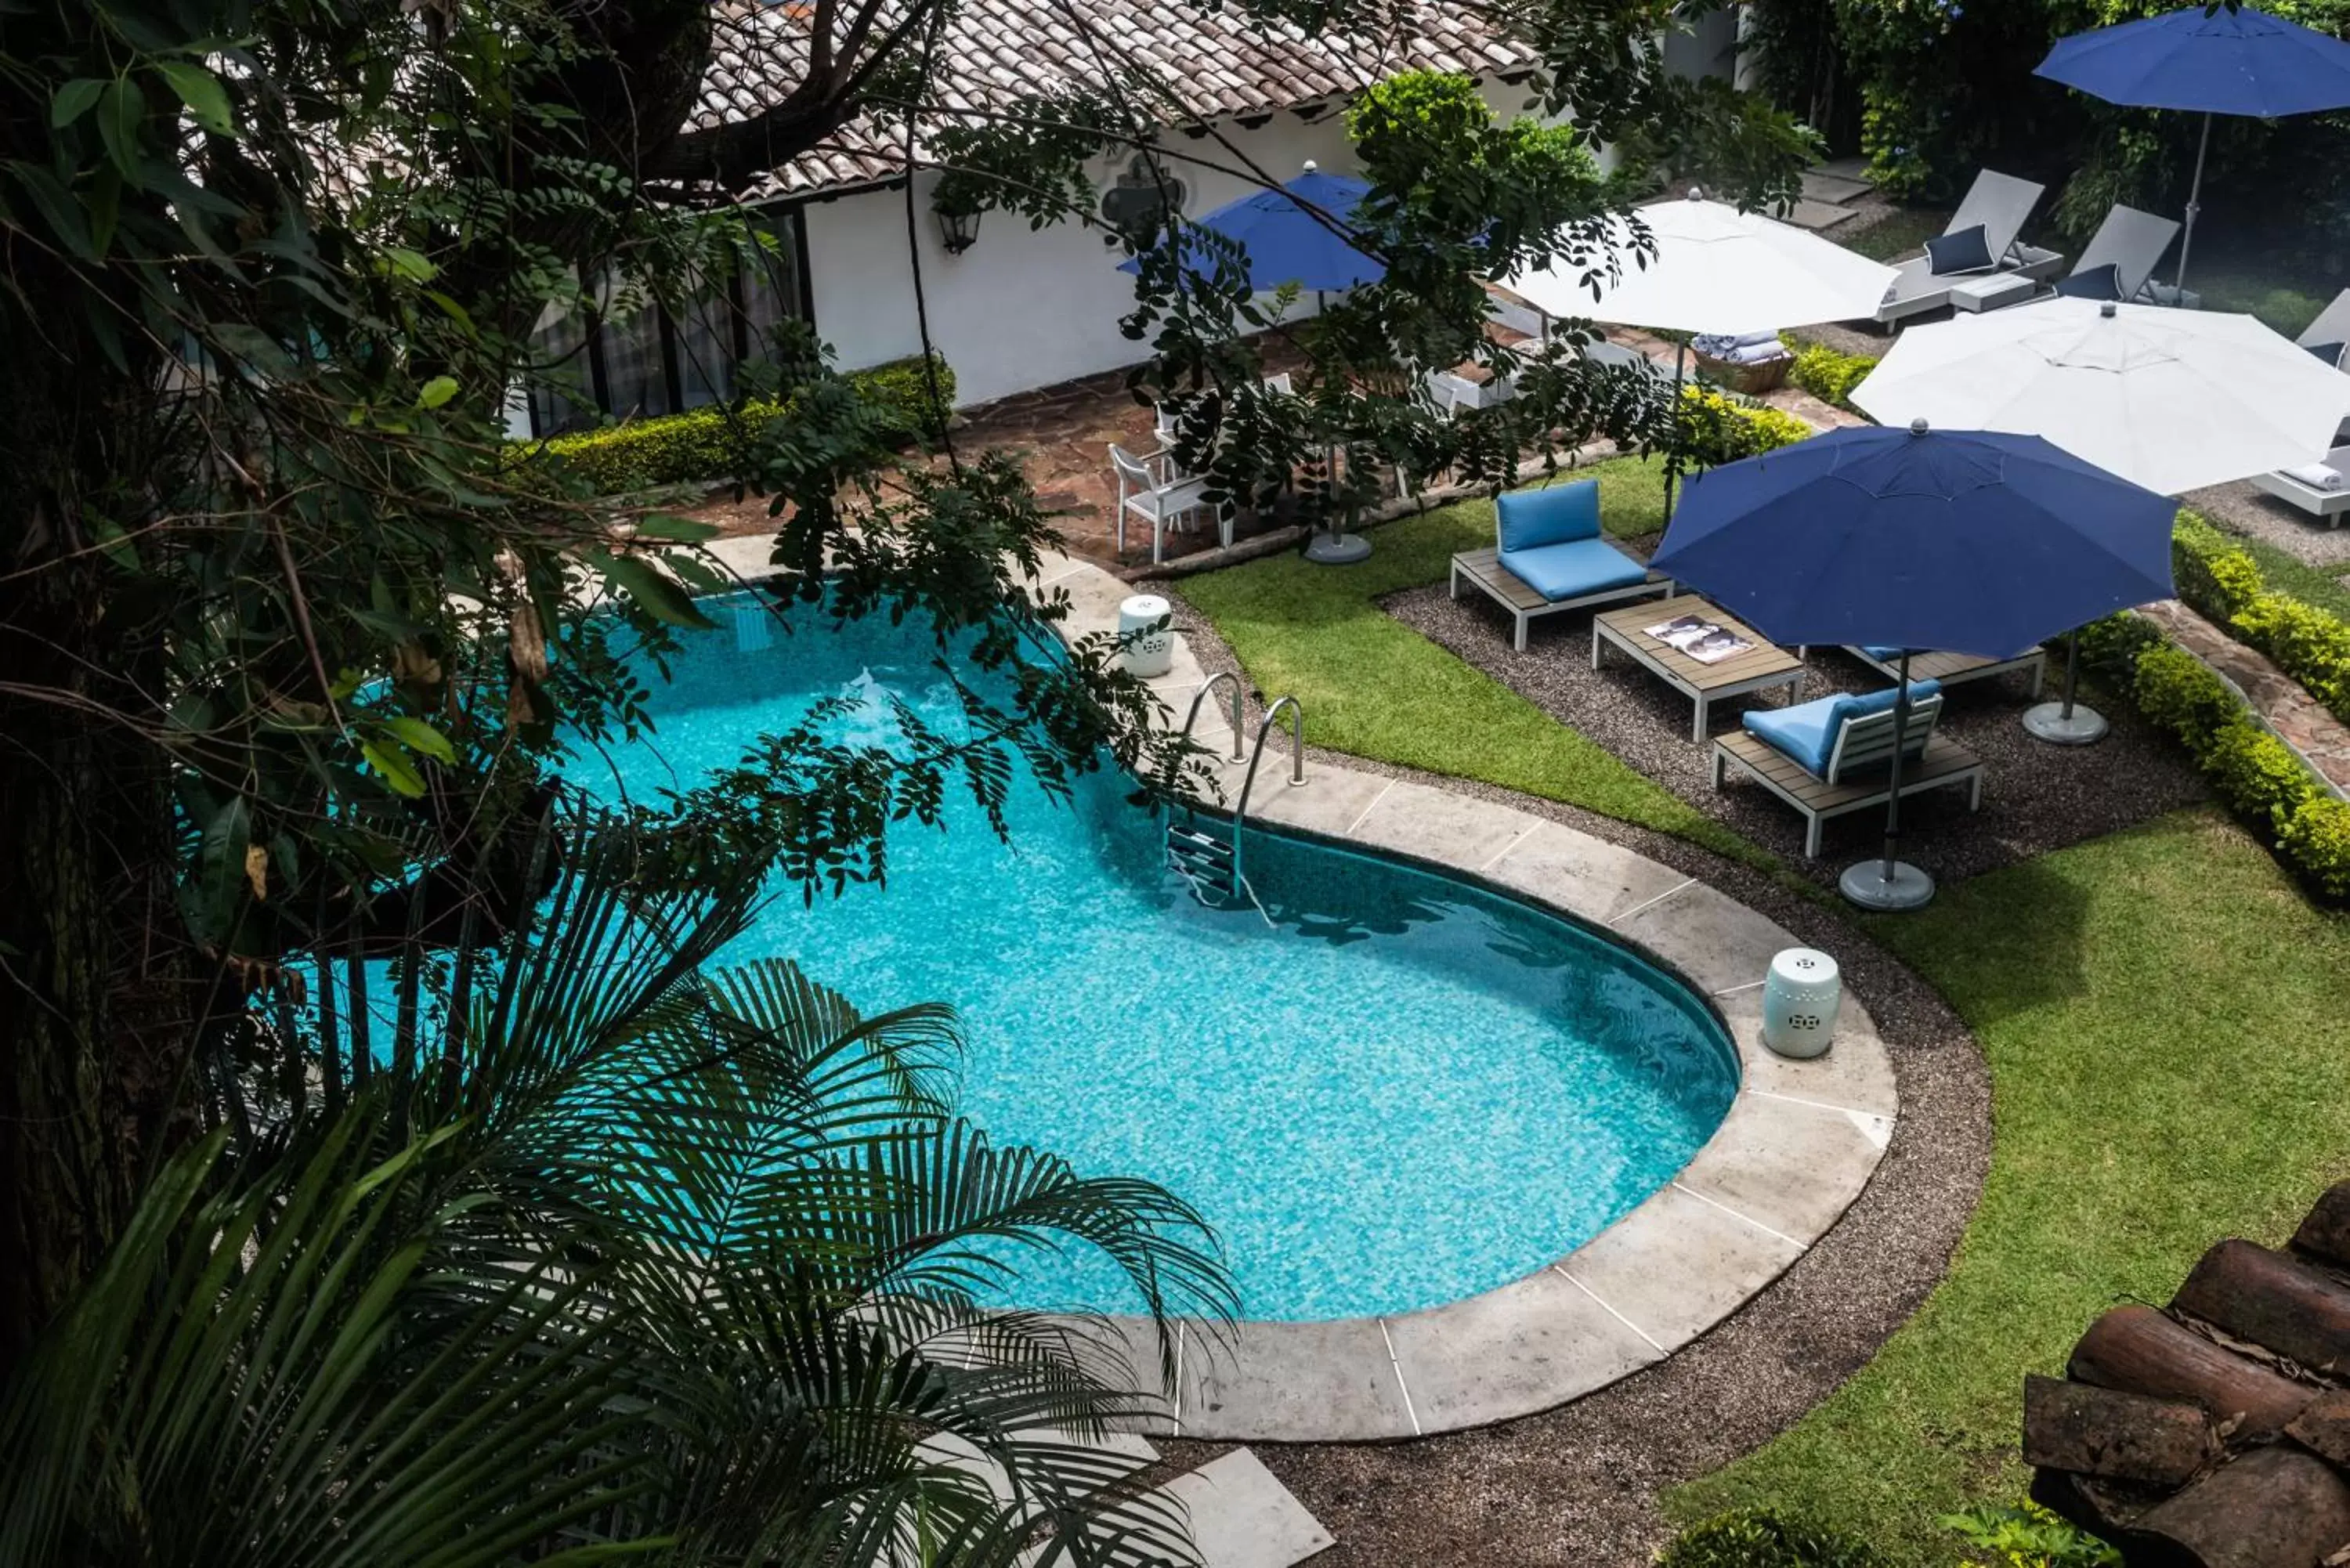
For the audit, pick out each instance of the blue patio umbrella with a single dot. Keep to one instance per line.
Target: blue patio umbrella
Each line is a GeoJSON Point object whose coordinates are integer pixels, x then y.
{"type": "Point", "coordinates": [1961, 541]}
{"type": "Point", "coordinates": [2221, 62]}
{"type": "Point", "coordinates": [1294, 234]}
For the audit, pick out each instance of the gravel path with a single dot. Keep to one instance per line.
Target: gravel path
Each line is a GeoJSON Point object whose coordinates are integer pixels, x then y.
{"type": "Point", "coordinates": [1579, 1485]}
{"type": "Point", "coordinates": [2035, 798]}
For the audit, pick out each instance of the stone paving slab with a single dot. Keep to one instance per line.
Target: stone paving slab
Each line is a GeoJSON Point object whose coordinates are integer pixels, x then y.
{"type": "Point", "coordinates": [1527, 1346]}
{"type": "Point", "coordinates": [1292, 1382]}
{"type": "Point", "coordinates": [1678, 1264]}
{"type": "Point", "coordinates": [1820, 185]}
{"type": "Point", "coordinates": [1242, 1517]}
{"type": "Point", "coordinates": [1799, 1144]}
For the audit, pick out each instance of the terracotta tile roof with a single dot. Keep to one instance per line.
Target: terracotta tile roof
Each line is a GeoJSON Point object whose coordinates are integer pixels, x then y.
{"type": "Point", "coordinates": [1212, 64]}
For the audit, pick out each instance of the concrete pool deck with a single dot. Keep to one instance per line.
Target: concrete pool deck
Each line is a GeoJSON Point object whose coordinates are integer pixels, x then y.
{"type": "Point", "coordinates": [1799, 1144]}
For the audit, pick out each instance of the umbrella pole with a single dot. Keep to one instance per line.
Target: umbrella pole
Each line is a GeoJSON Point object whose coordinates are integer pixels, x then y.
{"type": "Point", "coordinates": [1673, 456]}
{"type": "Point", "coordinates": [2194, 205]}
{"type": "Point", "coordinates": [2064, 723]}
{"type": "Point", "coordinates": [1888, 882]}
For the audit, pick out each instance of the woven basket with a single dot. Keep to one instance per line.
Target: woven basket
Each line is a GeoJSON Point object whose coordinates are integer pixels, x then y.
{"type": "Point", "coordinates": [1754, 380]}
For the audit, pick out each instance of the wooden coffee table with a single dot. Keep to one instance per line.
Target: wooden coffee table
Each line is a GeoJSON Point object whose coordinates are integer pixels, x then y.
{"type": "Point", "coordinates": [1763, 665]}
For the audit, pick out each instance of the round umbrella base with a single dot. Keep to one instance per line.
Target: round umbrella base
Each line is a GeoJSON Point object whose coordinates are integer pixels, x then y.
{"type": "Point", "coordinates": [1337, 549]}
{"type": "Point", "coordinates": [2049, 722]}
{"type": "Point", "coordinates": [1868, 886]}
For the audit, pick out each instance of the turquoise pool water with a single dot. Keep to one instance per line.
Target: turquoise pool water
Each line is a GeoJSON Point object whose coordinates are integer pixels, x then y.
{"type": "Point", "coordinates": [1395, 1092]}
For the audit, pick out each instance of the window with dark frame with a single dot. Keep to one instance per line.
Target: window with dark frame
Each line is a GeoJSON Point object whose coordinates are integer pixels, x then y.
{"type": "Point", "coordinates": [648, 359]}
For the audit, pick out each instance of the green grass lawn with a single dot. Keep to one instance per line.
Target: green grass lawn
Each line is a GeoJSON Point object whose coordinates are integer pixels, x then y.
{"type": "Point", "coordinates": [2164, 1015]}
{"type": "Point", "coordinates": [1374, 687]}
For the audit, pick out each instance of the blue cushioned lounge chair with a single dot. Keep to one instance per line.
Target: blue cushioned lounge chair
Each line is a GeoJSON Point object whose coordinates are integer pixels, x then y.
{"type": "Point", "coordinates": [1550, 557]}
{"type": "Point", "coordinates": [1831, 757]}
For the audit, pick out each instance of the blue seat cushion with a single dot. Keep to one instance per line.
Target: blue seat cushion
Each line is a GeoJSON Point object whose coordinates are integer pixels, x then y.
{"type": "Point", "coordinates": [1882, 655]}
{"type": "Point", "coordinates": [1806, 732]}
{"type": "Point", "coordinates": [1574, 568]}
{"type": "Point", "coordinates": [1530, 518]}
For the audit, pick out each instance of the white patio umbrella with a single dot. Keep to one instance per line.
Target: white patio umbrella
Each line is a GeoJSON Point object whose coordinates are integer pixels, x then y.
{"type": "Point", "coordinates": [2169, 399]}
{"type": "Point", "coordinates": [1715, 270]}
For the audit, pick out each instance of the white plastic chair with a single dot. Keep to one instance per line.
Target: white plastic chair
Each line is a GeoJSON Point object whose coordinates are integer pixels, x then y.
{"type": "Point", "coordinates": [1158, 504]}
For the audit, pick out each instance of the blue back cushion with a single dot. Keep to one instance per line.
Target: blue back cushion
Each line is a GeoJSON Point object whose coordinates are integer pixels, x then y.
{"type": "Point", "coordinates": [2098, 283]}
{"type": "Point", "coordinates": [1532, 518]}
{"type": "Point", "coordinates": [1879, 701]}
{"type": "Point", "coordinates": [1966, 251]}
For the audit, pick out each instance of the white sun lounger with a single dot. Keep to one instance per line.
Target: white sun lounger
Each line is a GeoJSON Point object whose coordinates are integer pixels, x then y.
{"type": "Point", "coordinates": [2002, 204]}
{"type": "Point", "coordinates": [2329, 505]}
{"type": "Point", "coordinates": [2133, 244]}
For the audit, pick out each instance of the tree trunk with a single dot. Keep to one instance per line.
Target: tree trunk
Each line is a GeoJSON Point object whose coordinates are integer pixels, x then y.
{"type": "Point", "coordinates": [2268, 1299]}
{"type": "Point", "coordinates": [2326, 1235]}
{"type": "Point", "coordinates": [2102, 1432]}
{"type": "Point", "coordinates": [94, 980]}
{"type": "Point", "coordinates": [2272, 1506]}
{"type": "Point", "coordinates": [2138, 1350]}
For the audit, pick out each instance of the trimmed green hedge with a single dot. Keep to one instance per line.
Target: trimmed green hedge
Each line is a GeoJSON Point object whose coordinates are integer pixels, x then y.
{"type": "Point", "coordinates": [701, 444]}
{"type": "Point", "coordinates": [2223, 583]}
{"type": "Point", "coordinates": [2258, 775]}
{"type": "Point", "coordinates": [1828, 374]}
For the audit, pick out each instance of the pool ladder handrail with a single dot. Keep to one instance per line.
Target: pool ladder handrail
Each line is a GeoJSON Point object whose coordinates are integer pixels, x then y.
{"type": "Point", "coordinates": [1194, 853]}
{"type": "Point", "coordinates": [1264, 729]}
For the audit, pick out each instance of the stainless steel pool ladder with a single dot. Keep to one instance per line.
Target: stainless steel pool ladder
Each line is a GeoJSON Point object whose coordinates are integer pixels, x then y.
{"type": "Point", "coordinates": [1215, 863]}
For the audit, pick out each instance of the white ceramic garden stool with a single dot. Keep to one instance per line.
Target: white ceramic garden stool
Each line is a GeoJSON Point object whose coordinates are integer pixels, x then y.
{"type": "Point", "coordinates": [1799, 1002]}
{"type": "Point", "coordinates": [1152, 652]}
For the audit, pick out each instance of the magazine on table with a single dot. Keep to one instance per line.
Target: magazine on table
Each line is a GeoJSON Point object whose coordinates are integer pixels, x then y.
{"type": "Point", "coordinates": [1707, 641]}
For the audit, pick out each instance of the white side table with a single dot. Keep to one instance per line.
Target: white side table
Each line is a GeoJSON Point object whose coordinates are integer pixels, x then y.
{"type": "Point", "coordinates": [1800, 997]}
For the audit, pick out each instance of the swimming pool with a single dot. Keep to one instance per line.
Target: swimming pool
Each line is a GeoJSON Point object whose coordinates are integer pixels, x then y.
{"type": "Point", "coordinates": [1388, 1091]}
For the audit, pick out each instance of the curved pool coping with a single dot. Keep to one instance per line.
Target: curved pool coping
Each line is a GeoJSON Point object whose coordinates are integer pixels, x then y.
{"type": "Point", "coordinates": [1799, 1143]}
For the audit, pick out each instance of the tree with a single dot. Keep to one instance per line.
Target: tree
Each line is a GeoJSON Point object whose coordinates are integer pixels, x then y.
{"type": "Point", "coordinates": [291, 638]}
{"type": "Point", "coordinates": [629, 1257]}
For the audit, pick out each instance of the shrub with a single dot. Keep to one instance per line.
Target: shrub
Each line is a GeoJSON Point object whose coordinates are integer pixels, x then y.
{"type": "Point", "coordinates": [1760, 1538]}
{"type": "Point", "coordinates": [2223, 582]}
{"type": "Point", "coordinates": [2256, 774]}
{"type": "Point", "coordinates": [1828, 374]}
{"type": "Point", "coordinates": [2111, 647]}
{"type": "Point", "coordinates": [1716, 428]}
{"type": "Point", "coordinates": [2317, 838]}
{"type": "Point", "coordinates": [702, 444]}
{"type": "Point", "coordinates": [2030, 1537]}
{"type": "Point", "coordinates": [2178, 691]}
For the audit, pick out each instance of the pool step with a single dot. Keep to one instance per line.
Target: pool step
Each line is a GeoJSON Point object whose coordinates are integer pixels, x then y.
{"type": "Point", "coordinates": [1204, 858]}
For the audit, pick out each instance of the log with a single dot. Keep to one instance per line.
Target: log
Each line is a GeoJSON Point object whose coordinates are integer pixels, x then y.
{"type": "Point", "coordinates": [2098, 1431]}
{"type": "Point", "coordinates": [2268, 1298]}
{"type": "Point", "coordinates": [2272, 1508]}
{"type": "Point", "coordinates": [2139, 1350]}
{"type": "Point", "coordinates": [2326, 1232]}
{"type": "Point", "coordinates": [2323, 1428]}
{"type": "Point", "coordinates": [2104, 1509]}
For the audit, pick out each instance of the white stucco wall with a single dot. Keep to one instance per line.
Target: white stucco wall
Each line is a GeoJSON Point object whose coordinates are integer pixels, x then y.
{"type": "Point", "coordinates": [1024, 309]}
